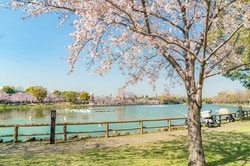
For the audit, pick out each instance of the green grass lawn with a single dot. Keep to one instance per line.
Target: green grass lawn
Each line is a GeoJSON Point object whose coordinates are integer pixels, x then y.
{"type": "Point", "coordinates": [221, 148]}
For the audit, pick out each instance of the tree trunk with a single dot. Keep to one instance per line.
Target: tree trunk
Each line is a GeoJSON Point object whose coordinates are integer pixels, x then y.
{"type": "Point", "coordinates": [196, 153]}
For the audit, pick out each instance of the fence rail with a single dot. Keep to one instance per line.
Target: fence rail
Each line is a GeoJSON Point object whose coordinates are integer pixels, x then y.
{"type": "Point", "coordinates": [141, 127]}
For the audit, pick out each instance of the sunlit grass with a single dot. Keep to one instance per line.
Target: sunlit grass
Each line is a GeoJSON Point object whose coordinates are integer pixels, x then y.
{"type": "Point", "coordinates": [221, 148]}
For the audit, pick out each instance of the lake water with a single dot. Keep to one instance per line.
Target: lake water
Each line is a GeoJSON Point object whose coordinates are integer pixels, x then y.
{"type": "Point", "coordinates": [96, 114]}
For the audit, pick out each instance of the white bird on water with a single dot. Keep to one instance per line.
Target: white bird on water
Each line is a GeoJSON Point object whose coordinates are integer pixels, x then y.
{"type": "Point", "coordinates": [30, 117]}
{"type": "Point", "coordinates": [65, 118]}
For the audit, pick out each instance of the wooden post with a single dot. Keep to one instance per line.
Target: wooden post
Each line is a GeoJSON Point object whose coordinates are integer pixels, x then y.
{"type": "Point", "coordinates": [169, 124]}
{"type": "Point", "coordinates": [247, 113]}
{"type": "Point", "coordinates": [241, 113]}
{"type": "Point", "coordinates": [15, 139]}
{"type": "Point", "coordinates": [220, 119]}
{"type": "Point", "coordinates": [65, 132]}
{"type": "Point", "coordinates": [53, 127]}
{"type": "Point", "coordinates": [107, 130]}
{"type": "Point", "coordinates": [141, 127]}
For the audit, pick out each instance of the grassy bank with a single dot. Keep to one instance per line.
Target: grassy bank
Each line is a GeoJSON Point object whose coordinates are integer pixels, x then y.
{"type": "Point", "coordinates": [228, 145]}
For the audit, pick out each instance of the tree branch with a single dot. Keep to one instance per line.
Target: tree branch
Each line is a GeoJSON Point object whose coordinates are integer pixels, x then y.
{"type": "Point", "coordinates": [116, 6]}
{"type": "Point", "coordinates": [221, 59]}
{"type": "Point", "coordinates": [47, 4]}
{"type": "Point", "coordinates": [202, 64]}
{"type": "Point", "coordinates": [226, 70]}
{"type": "Point", "coordinates": [166, 41]}
{"type": "Point", "coordinates": [224, 42]}
{"type": "Point", "coordinates": [159, 17]}
{"type": "Point", "coordinates": [175, 65]}
{"type": "Point", "coordinates": [146, 15]}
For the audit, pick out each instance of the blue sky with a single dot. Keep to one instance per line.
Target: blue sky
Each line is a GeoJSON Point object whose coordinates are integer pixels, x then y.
{"type": "Point", "coordinates": [32, 52]}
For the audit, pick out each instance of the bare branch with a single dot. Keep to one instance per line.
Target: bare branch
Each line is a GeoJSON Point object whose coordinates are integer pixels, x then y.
{"type": "Point", "coordinates": [166, 41]}
{"type": "Point", "coordinates": [227, 70]}
{"type": "Point", "coordinates": [175, 65]}
{"type": "Point", "coordinates": [215, 64]}
{"type": "Point", "coordinates": [224, 42]}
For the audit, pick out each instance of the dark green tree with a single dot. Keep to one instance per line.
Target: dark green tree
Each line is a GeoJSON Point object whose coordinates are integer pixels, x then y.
{"type": "Point", "coordinates": [9, 89]}
{"type": "Point", "coordinates": [242, 74]}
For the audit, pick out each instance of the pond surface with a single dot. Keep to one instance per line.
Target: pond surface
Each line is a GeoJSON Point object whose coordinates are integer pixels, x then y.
{"type": "Point", "coordinates": [106, 113]}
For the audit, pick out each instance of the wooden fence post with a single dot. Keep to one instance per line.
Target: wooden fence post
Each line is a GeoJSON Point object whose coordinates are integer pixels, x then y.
{"type": "Point", "coordinates": [247, 113]}
{"type": "Point", "coordinates": [141, 127]}
{"type": "Point", "coordinates": [53, 127]}
{"type": "Point", "coordinates": [220, 119]}
{"type": "Point", "coordinates": [107, 130]}
{"type": "Point", "coordinates": [169, 124]}
{"type": "Point", "coordinates": [64, 132]}
{"type": "Point", "coordinates": [15, 139]}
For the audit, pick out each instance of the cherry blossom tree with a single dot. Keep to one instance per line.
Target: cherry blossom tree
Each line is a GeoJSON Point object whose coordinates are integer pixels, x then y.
{"type": "Point", "coordinates": [185, 40]}
{"type": "Point", "coordinates": [4, 96]}
{"type": "Point", "coordinates": [21, 97]}
{"type": "Point", "coordinates": [53, 97]}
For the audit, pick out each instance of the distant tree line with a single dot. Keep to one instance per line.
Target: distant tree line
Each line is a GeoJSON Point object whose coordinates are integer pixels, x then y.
{"type": "Point", "coordinates": [172, 99]}
{"type": "Point", "coordinates": [231, 97]}
{"type": "Point", "coordinates": [41, 95]}
{"type": "Point", "coordinates": [224, 97]}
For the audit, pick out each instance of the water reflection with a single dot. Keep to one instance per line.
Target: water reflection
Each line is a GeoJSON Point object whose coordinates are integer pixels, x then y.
{"type": "Point", "coordinates": [39, 113]}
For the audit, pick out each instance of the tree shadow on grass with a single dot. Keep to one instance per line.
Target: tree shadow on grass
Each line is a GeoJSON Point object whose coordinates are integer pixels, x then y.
{"type": "Point", "coordinates": [222, 148]}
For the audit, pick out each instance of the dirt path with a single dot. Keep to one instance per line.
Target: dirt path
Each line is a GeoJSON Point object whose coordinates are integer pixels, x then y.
{"type": "Point", "coordinates": [44, 146]}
